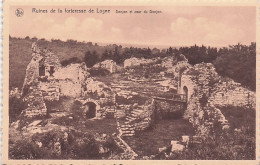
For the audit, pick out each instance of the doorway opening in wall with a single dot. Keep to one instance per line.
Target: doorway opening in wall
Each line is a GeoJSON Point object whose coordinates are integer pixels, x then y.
{"type": "Point", "coordinates": [185, 92]}
{"type": "Point", "coordinates": [41, 70]}
{"type": "Point", "coordinates": [51, 70]}
{"type": "Point", "coordinates": [90, 110]}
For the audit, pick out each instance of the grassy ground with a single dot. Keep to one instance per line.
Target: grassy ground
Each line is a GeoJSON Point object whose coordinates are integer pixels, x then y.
{"type": "Point", "coordinates": [148, 142]}
{"type": "Point", "coordinates": [240, 118]}
{"type": "Point", "coordinates": [236, 143]}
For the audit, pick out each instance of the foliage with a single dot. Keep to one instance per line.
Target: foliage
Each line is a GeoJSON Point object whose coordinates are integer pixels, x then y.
{"type": "Point", "coordinates": [237, 62]}
{"type": "Point", "coordinates": [16, 105]}
{"type": "Point", "coordinates": [197, 54]}
{"type": "Point", "coordinates": [90, 58]}
{"type": "Point", "coordinates": [25, 149]}
{"type": "Point", "coordinates": [237, 143]}
{"type": "Point", "coordinates": [71, 60]}
{"type": "Point", "coordinates": [147, 142]}
{"type": "Point", "coordinates": [73, 145]}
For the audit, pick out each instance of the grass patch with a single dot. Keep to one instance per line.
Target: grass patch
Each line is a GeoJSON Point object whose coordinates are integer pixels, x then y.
{"type": "Point", "coordinates": [241, 118]}
{"type": "Point", "coordinates": [148, 142]}
{"type": "Point", "coordinates": [236, 143]}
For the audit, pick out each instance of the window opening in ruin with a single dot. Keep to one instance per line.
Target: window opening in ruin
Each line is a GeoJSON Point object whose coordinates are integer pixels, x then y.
{"type": "Point", "coordinates": [185, 91]}
{"type": "Point", "coordinates": [90, 110]}
{"type": "Point", "coordinates": [41, 70]}
{"type": "Point", "coordinates": [51, 70]}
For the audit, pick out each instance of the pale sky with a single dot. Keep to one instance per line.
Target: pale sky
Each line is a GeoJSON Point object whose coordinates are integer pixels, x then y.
{"type": "Point", "coordinates": [175, 26]}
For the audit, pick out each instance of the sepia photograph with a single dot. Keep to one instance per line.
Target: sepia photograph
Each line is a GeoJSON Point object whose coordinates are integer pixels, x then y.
{"type": "Point", "coordinates": [132, 82]}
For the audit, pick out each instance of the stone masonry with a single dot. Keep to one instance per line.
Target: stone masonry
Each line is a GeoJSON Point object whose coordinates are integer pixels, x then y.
{"type": "Point", "coordinates": [205, 90]}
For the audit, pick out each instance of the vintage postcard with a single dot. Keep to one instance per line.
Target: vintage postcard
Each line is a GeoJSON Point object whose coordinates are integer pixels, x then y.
{"type": "Point", "coordinates": [134, 82]}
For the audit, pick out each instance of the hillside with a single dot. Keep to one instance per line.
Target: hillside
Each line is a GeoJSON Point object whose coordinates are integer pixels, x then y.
{"type": "Point", "coordinates": [236, 61]}
{"type": "Point", "coordinates": [20, 54]}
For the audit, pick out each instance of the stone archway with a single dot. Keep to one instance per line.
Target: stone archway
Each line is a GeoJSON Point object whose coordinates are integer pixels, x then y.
{"type": "Point", "coordinates": [90, 110]}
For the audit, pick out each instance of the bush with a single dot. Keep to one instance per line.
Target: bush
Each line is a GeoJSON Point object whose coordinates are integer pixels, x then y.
{"type": "Point", "coordinates": [25, 149]}
{"type": "Point", "coordinates": [71, 60]}
{"type": "Point", "coordinates": [225, 145]}
{"type": "Point", "coordinates": [74, 145]}
{"type": "Point", "coordinates": [16, 105]}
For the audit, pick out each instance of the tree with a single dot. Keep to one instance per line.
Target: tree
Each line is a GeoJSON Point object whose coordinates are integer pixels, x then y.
{"type": "Point", "coordinates": [105, 55]}
{"type": "Point", "coordinates": [117, 58]}
{"type": "Point", "coordinates": [90, 58]}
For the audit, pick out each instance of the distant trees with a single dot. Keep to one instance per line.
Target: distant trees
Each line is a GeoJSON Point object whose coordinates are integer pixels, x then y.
{"type": "Point", "coordinates": [197, 54]}
{"type": "Point", "coordinates": [239, 63]}
{"type": "Point", "coordinates": [91, 58]}
{"type": "Point", "coordinates": [236, 61]}
{"type": "Point", "coordinates": [71, 60]}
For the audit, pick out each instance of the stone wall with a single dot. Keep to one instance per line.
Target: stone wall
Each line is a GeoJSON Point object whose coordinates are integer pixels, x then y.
{"type": "Point", "coordinates": [199, 80]}
{"type": "Point", "coordinates": [206, 90]}
{"type": "Point", "coordinates": [50, 90]}
{"type": "Point", "coordinates": [35, 105]}
{"type": "Point", "coordinates": [186, 82]}
{"type": "Point", "coordinates": [165, 108]}
{"type": "Point", "coordinates": [231, 93]}
{"type": "Point", "coordinates": [132, 62]}
{"type": "Point", "coordinates": [72, 79]}
{"type": "Point", "coordinates": [109, 65]}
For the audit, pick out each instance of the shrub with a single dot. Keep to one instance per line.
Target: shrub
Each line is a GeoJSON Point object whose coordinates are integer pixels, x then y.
{"type": "Point", "coordinates": [25, 149]}
{"type": "Point", "coordinates": [16, 105]}
{"type": "Point", "coordinates": [225, 144]}
{"type": "Point", "coordinates": [71, 60]}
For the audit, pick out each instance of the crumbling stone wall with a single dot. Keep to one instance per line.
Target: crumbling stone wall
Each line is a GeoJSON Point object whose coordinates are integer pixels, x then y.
{"type": "Point", "coordinates": [35, 105]}
{"type": "Point", "coordinates": [231, 93]}
{"type": "Point", "coordinates": [32, 70]}
{"type": "Point", "coordinates": [109, 65]}
{"type": "Point", "coordinates": [72, 79]}
{"type": "Point", "coordinates": [164, 108]}
{"type": "Point", "coordinates": [204, 87]}
{"type": "Point", "coordinates": [199, 81]}
{"type": "Point", "coordinates": [45, 74]}
{"type": "Point", "coordinates": [133, 62]}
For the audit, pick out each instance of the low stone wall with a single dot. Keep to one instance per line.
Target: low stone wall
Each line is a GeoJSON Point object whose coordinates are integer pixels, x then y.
{"type": "Point", "coordinates": [165, 108]}
{"type": "Point", "coordinates": [231, 93]}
